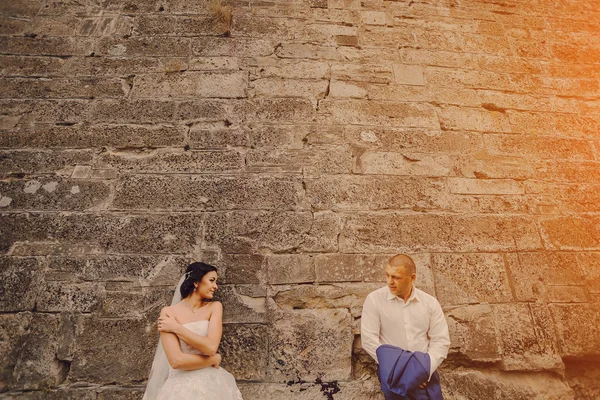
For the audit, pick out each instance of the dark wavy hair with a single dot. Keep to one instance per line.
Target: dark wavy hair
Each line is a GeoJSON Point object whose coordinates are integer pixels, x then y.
{"type": "Point", "coordinates": [194, 273]}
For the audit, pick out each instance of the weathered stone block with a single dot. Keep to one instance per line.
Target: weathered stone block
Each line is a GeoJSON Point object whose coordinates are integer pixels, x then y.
{"type": "Point", "coordinates": [378, 113]}
{"type": "Point", "coordinates": [167, 160]}
{"type": "Point", "coordinates": [203, 110]}
{"type": "Point", "coordinates": [111, 66]}
{"type": "Point", "coordinates": [214, 64]}
{"type": "Point", "coordinates": [542, 147]}
{"type": "Point", "coordinates": [533, 274]}
{"type": "Point", "coordinates": [244, 351]}
{"type": "Point", "coordinates": [207, 193]}
{"type": "Point", "coordinates": [438, 58]}
{"type": "Point", "coordinates": [471, 79]}
{"type": "Point", "coordinates": [29, 162]}
{"type": "Point", "coordinates": [243, 304]}
{"type": "Point", "coordinates": [339, 295]}
{"type": "Point", "coordinates": [191, 85]}
{"type": "Point", "coordinates": [323, 234]}
{"type": "Point", "coordinates": [313, 162]}
{"type": "Point", "coordinates": [21, 9]}
{"type": "Point", "coordinates": [569, 171]}
{"type": "Point", "coordinates": [242, 269]}
{"type": "Point", "coordinates": [473, 333]}
{"type": "Point", "coordinates": [578, 327]}
{"type": "Point", "coordinates": [567, 294]}
{"type": "Point", "coordinates": [307, 51]}
{"type": "Point", "coordinates": [409, 75]}
{"type": "Point", "coordinates": [489, 384]}
{"type": "Point", "coordinates": [343, 90]}
{"type": "Point", "coordinates": [414, 140]}
{"type": "Point", "coordinates": [282, 136]}
{"type": "Point", "coordinates": [46, 352]}
{"type": "Point", "coordinates": [364, 232]}
{"type": "Point", "coordinates": [30, 66]}
{"type": "Point", "coordinates": [526, 334]}
{"type": "Point", "coordinates": [311, 89]}
{"type": "Point", "coordinates": [109, 350]}
{"type": "Point", "coordinates": [354, 192]}
{"type": "Point", "coordinates": [63, 296]}
{"type": "Point", "coordinates": [471, 278]}
{"type": "Point", "coordinates": [62, 111]}
{"type": "Point", "coordinates": [374, 73]}
{"type": "Point", "coordinates": [387, 36]}
{"type": "Point", "coordinates": [211, 137]}
{"type": "Point", "coordinates": [484, 186]}
{"type": "Point", "coordinates": [130, 234]}
{"type": "Point", "coordinates": [571, 233]}
{"type": "Point", "coordinates": [19, 283]}
{"type": "Point", "coordinates": [589, 264]}
{"type": "Point", "coordinates": [286, 110]}
{"type": "Point", "coordinates": [232, 47]}
{"type": "Point", "coordinates": [108, 393]}
{"type": "Point", "coordinates": [286, 69]}
{"type": "Point", "coordinates": [389, 163]}
{"type": "Point", "coordinates": [373, 17]}
{"type": "Point", "coordinates": [143, 47]}
{"type": "Point", "coordinates": [144, 111]}
{"type": "Point", "coordinates": [44, 193]}
{"type": "Point", "coordinates": [306, 344]}
{"type": "Point", "coordinates": [455, 118]}
{"type": "Point", "coordinates": [85, 88]}
{"type": "Point", "coordinates": [247, 232]}
{"type": "Point", "coordinates": [317, 389]}
{"type": "Point", "coordinates": [54, 394]}
{"type": "Point", "coordinates": [154, 270]}
{"type": "Point", "coordinates": [13, 332]}
{"type": "Point", "coordinates": [341, 267]}
{"type": "Point", "coordinates": [124, 304]}
{"type": "Point", "coordinates": [482, 165]}
{"type": "Point", "coordinates": [582, 378]}
{"type": "Point", "coordinates": [177, 25]}
{"type": "Point", "coordinates": [290, 268]}
{"type": "Point", "coordinates": [47, 46]}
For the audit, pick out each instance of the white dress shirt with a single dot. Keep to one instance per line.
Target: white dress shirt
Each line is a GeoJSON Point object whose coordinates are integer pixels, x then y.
{"type": "Point", "coordinates": [417, 325]}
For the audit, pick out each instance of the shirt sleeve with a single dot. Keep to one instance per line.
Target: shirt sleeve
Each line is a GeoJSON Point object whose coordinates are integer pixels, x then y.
{"type": "Point", "coordinates": [369, 327]}
{"type": "Point", "coordinates": [439, 338]}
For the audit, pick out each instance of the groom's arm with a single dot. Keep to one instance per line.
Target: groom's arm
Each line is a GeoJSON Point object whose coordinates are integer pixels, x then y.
{"type": "Point", "coordinates": [369, 327]}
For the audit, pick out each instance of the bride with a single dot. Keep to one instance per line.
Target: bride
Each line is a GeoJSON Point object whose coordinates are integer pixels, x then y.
{"type": "Point", "coordinates": [186, 365]}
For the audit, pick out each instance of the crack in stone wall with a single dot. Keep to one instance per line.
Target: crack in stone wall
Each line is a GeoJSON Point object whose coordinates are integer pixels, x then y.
{"type": "Point", "coordinates": [297, 145]}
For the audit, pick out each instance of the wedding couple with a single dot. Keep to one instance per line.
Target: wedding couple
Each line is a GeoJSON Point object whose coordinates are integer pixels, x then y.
{"type": "Point", "coordinates": [402, 328]}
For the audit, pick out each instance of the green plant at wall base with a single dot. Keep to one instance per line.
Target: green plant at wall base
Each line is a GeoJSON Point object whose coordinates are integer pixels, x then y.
{"type": "Point", "coordinates": [220, 12]}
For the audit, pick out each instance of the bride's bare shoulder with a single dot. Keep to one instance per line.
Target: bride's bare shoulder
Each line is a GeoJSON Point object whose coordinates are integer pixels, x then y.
{"type": "Point", "coordinates": [169, 311]}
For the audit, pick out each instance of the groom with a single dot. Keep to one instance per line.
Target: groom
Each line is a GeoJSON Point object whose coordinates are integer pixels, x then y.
{"type": "Point", "coordinates": [404, 316]}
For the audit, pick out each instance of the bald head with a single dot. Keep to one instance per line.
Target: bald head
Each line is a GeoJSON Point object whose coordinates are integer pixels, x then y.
{"type": "Point", "coordinates": [402, 260]}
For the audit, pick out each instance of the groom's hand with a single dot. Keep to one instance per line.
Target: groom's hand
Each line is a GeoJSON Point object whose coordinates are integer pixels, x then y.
{"type": "Point", "coordinates": [167, 324]}
{"type": "Point", "coordinates": [423, 385]}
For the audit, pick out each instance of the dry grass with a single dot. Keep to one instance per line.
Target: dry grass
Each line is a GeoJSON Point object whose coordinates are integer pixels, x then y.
{"type": "Point", "coordinates": [221, 12]}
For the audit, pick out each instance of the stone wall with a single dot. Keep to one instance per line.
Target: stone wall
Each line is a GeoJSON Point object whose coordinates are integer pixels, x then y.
{"type": "Point", "coordinates": [296, 144]}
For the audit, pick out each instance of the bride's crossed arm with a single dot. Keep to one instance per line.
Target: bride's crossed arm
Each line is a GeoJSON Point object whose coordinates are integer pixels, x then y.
{"type": "Point", "coordinates": [206, 344]}
{"type": "Point", "coordinates": [170, 341]}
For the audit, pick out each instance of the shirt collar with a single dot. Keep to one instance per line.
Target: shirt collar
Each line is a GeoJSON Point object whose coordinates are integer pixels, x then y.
{"type": "Point", "coordinates": [413, 296]}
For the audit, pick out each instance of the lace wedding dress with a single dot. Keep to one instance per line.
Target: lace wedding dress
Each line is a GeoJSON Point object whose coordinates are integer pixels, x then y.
{"type": "Point", "coordinates": [208, 383]}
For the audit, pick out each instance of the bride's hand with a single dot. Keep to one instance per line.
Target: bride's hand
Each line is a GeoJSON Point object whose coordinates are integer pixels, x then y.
{"type": "Point", "coordinates": [167, 324]}
{"type": "Point", "coordinates": [217, 357]}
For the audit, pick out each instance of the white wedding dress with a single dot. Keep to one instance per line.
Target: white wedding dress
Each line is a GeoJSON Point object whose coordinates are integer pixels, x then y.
{"type": "Point", "coordinates": [208, 383]}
